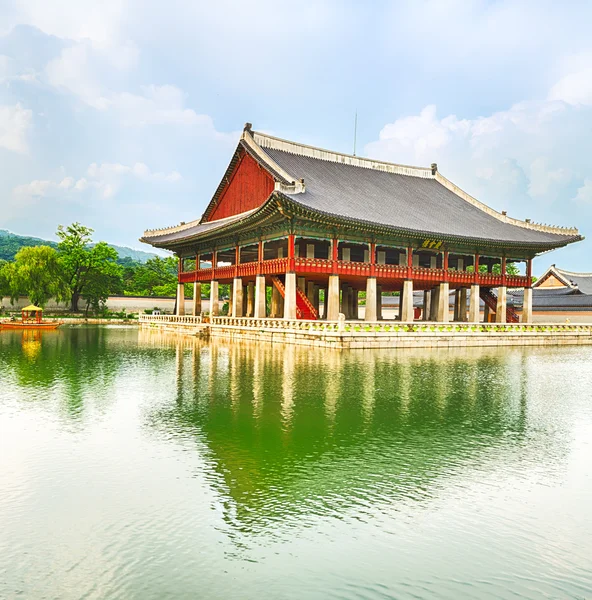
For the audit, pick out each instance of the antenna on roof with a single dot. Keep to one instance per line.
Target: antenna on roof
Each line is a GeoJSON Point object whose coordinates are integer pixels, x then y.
{"type": "Point", "coordinates": [355, 131]}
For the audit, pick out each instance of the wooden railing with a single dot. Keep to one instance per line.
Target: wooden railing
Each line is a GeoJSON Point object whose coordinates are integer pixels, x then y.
{"type": "Point", "coordinates": [278, 266]}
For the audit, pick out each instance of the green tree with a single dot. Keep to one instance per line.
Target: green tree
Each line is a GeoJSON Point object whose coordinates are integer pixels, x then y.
{"type": "Point", "coordinates": [90, 271]}
{"type": "Point", "coordinates": [36, 272]}
{"type": "Point", "coordinates": [156, 277]}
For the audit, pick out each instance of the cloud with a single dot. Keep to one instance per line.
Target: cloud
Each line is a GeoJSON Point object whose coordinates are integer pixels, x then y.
{"type": "Point", "coordinates": [584, 194]}
{"type": "Point", "coordinates": [528, 158]}
{"type": "Point", "coordinates": [106, 178]}
{"type": "Point", "coordinates": [15, 124]}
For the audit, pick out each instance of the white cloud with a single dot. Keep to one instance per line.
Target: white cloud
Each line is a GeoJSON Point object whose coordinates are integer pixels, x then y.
{"type": "Point", "coordinates": [526, 159]}
{"type": "Point", "coordinates": [574, 88]}
{"type": "Point", "coordinates": [584, 193]}
{"type": "Point", "coordinates": [15, 123]}
{"type": "Point", "coordinates": [106, 178]}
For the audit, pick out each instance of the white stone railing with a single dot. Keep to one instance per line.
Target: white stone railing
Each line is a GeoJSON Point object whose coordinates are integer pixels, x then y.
{"type": "Point", "coordinates": [398, 327]}
{"type": "Point", "coordinates": [181, 320]}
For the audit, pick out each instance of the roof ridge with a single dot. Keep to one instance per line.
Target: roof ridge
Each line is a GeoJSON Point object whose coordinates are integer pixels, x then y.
{"type": "Point", "coordinates": [564, 272]}
{"type": "Point", "coordinates": [271, 142]}
{"type": "Point", "coordinates": [527, 224]}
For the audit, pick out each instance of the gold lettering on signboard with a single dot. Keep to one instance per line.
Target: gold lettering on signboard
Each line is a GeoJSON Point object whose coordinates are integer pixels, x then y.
{"type": "Point", "coordinates": [432, 244]}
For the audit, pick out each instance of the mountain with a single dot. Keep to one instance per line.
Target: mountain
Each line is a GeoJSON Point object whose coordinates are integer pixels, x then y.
{"type": "Point", "coordinates": [11, 243]}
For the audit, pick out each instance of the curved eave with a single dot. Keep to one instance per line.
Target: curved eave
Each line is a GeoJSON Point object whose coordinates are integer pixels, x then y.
{"type": "Point", "coordinates": [337, 220]}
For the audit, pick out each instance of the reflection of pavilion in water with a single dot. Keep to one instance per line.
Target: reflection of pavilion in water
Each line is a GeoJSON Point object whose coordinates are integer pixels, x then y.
{"type": "Point", "coordinates": [294, 433]}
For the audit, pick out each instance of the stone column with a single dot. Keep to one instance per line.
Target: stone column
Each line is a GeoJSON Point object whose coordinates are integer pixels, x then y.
{"type": "Point", "coordinates": [275, 302]}
{"type": "Point", "coordinates": [462, 314]}
{"type": "Point", "coordinates": [435, 303]}
{"type": "Point", "coordinates": [407, 301]}
{"type": "Point", "coordinates": [214, 301]}
{"type": "Point", "coordinates": [310, 291]}
{"type": "Point", "coordinates": [486, 312]}
{"type": "Point", "coordinates": [500, 313]}
{"type": "Point", "coordinates": [344, 307]}
{"type": "Point", "coordinates": [427, 301]}
{"type": "Point", "coordinates": [355, 305]}
{"type": "Point", "coordinates": [196, 299]}
{"type": "Point", "coordinates": [290, 297]}
{"type": "Point", "coordinates": [250, 298]}
{"type": "Point", "coordinates": [230, 298]}
{"type": "Point", "coordinates": [370, 311]}
{"type": "Point", "coordinates": [316, 300]}
{"type": "Point", "coordinates": [456, 316]}
{"type": "Point", "coordinates": [474, 304]}
{"type": "Point", "coordinates": [237, 297]}
{"type": "Point", "coordinates": [180, 299]}
{"type": "Point", "coordinates": [332, 302]}
{"type": "Point", "coordinates": [302, 284]}
{"type": "Point", "coordinates": [260, 299]}
{"type": "Point", "coordinates": [527, 306]}
{"type": "Point", "coordinates": [379, 303]}
{"type": "Point", "coordinates": [443, 303]}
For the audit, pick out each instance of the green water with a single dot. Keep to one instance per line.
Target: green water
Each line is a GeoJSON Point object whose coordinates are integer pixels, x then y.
{"type": "Point", "coordinates": [137, 466]}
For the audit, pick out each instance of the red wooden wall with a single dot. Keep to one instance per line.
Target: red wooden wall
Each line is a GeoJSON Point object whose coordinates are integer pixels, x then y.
{"type": "Point", "coordinates": [249, 187]}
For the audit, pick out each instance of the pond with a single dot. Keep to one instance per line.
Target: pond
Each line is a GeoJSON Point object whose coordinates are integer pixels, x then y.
{"type": "Point", "coordinates": [142, 465]}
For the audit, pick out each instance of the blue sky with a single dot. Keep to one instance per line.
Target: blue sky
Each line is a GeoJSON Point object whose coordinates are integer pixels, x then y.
{"type": "Point", "coordinates": [123, 114]}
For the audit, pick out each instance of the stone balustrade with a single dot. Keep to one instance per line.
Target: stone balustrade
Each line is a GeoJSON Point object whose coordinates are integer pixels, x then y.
{"type": "Point", "coordinates": [179, 319]}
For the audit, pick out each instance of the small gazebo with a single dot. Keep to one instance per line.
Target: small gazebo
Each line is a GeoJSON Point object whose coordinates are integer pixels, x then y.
{"type": "Point", "coordinates": [32, 314]}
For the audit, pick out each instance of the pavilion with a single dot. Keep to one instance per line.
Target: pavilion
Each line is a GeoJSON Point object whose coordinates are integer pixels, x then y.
{"type": "Point", "coordinates": [307, 222]}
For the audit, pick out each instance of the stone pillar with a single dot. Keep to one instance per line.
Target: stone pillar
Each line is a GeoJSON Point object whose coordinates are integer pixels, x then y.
{"type": "Point", "coordinates": [355, 305]}
{"type": "Point", "coordinates": [250, 299]}
{"type": "Point", "coordinates": [406, 299]}
{"type": "Point", "coordinates": [474, 304]}
{"type": "Point", "coordinates": [310, 251]}
{"type": "Point", "coordinates": [237, 297]}
{"type": "Point", "coordinates": [196, 299]}
{"type": "Point", "coordinates": [290, 297]}
{"type": "Point", "coordinates": [214, 301]}
{"type": "Point", "coordinates": [456, 316]}
{"type": "Point", "coordinates": [316, 300]}
{"type": "Point", "coordinates": [379, 303]}
{"type": "Point", "coordinates": [302, 284]}
{"type": "Point", "coordinates": [275, 302]}
{"type": "Point", "coordinates": [345, 302]}
{"type": "Point", "coordinates": [427, 301]}
{"type": "Point", "coordinates": [463, 305]}
{"type": "Point", "coordinates": [486, 312]}
{"type": "Point", "coordinates": [443, 303]}
{"type": "Point", "coordinates": [527, 306]}
{"type": "Point", "coordinates": [346, 254]}
{"type": "Point", "coordinates": [260, 299]}
{"type": "Point", "coordinates": [370, 311]}
{"type": "Point", "coordinates": [230, 298]}
{"type": "Point", "coordinates": [310, 291]}
{"type": "Point", "coordinates": [435, 293]}
{"type": "Point", "coordinates": [500, 312]}
{"type": "Point", "coordinates": [433, 262]}
{"type": "Point", "coordinates": [332, 302]}
{"type": "Point", "coordinates": [180, 299]}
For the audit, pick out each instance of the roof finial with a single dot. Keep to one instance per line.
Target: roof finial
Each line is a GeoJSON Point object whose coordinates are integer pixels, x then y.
{"type": "Point", "coordinates": [248, 127]}
{"type": "Point", "coordinates": [434, 168]}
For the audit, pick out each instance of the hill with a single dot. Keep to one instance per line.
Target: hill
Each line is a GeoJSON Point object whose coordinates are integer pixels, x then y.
{"type": "Point", "coordinates": [11, 243]}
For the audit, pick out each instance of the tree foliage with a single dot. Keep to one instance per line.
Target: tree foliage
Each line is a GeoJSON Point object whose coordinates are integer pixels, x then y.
{"type": "Point", "coordinates": [89, 271]}
{"type": "Point", "coordinates": [35, 272]}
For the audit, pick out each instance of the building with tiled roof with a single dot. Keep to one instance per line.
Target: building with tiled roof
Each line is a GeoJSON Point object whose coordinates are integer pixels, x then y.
{"type": "Point", "coordinates": [309, 222]}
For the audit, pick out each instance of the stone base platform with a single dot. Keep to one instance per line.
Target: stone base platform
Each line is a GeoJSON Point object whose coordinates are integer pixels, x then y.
{"type": "Point", "coordinates": [381, 334]}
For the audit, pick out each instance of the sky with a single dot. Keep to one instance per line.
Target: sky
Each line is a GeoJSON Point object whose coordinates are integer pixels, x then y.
{"type": "Point", "coordinates": [123, 114]}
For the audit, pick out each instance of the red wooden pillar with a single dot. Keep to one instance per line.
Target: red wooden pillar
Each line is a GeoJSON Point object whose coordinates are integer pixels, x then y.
{"type": "Point", "coordinates": [179, 269]}
{"type": "Point", "coordinates": [529, 272]}
{"type": "Point", "coordinates": [236, 260]}
{"type": "Point", "coordinates": [214, 262]}
{"type": "Point", "coordinates": [334, 255]}
{"type": "Point", "coordinates": [372, 259]}
{"type": "Point", "coordinates": [259, 256]}
{"type": "Point", "coordinates": [503, 269]}
{"type": "Point", "coordinates": [291, 252]}
{"type": "Point", "coordinates": [476, 268]}
{"type": "Point", "coordinates": [409, 263]}
{"type": "Point", "coordinates": [196, 265]}
{"type": "Point", "coordinates": [445, 265]}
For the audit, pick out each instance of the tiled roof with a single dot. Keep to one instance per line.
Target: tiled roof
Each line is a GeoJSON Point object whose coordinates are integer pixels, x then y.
{"type": "Point", "coordinates": [403, 201]}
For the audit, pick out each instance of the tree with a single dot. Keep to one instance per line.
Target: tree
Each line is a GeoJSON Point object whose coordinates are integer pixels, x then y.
{"type": "Point", "coordinates": [156, 277]}
{"type": "Point", "coordinates": [89, 270]}
{"type": "Point", "coordinates": [36, 272]}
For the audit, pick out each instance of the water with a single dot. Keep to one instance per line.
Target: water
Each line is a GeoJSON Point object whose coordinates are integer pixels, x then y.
{"type": "Point", "coordinates": [136, 465]}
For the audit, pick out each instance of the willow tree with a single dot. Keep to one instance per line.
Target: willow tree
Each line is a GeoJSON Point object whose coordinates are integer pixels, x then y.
{"type": "Point", "coordinates": [89, 269]}
{"type": "Point", "coordinates": [36, 272]}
